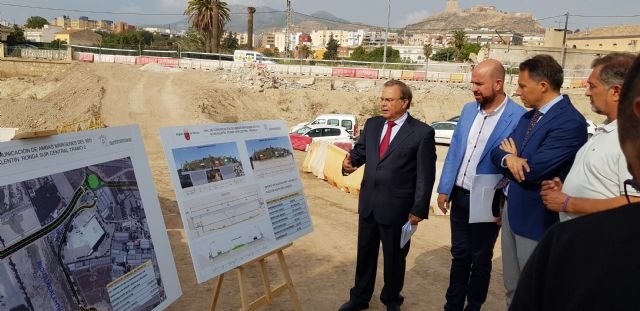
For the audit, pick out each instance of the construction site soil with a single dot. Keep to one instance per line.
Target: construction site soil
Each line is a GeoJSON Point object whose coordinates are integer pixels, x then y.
{"type": "Point", "coordinates": [322, 263]}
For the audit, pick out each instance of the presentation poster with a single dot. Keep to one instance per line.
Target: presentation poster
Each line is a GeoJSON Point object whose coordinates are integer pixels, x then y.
{"type": "Point", "coordinates": [238, 190]}
{"type": "Point", "coordinates": [81, 226]}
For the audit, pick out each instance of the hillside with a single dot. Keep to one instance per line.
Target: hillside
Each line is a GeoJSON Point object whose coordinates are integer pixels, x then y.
{"type": "Point", "coordinates": [621, 30]}
{"type": "Point", "coordinates": [478, 17]}
{"type": "Point", "coordinates": [268, 19]}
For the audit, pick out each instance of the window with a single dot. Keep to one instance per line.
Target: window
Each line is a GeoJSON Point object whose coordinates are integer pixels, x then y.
{"type": "Point", "coordinates": [331, 132]}
{"type": "Point", "coordinates": [315, 133]}
{"type": "Point", "coordinates": [319, 121]}
{"type": "Point", "coordinates": [333, 122]}
{"type": "Point", "coordinates": [347, 124]}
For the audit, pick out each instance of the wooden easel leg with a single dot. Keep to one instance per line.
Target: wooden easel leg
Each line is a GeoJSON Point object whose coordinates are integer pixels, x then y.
{"type": "Point", "coordinates": [242, 278]}
{"type": "Point", "coordinates": [265, 281]}
{"type": "Point", "coordinates": [289, 282]}
{"type": "Point", "coordinates": [216, 292]}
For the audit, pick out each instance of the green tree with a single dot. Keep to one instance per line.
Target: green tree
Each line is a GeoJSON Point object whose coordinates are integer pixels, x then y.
{"type": "Point", "coordinates": [470, 48]}
{"type": "Point", "coordinates": [457, 42]}
{"type": "Point", "coordinates": [269, 53]}
{"type": "Point", "coordinates": [332, 49]}
{"type": "Point", "coordinates": [393, 55]}
{"type": "Point", "coordinates": [445, 54]}
{"type": "Point", "coordinates": [427, 50]}
{"type": "Point", "coordinates": [209, 18]}
{"type": "Point", "coordinates": [230, 42]}
{"type": "Point", "coordinates": [16, 36]}
{"type": "Point", "coordinates": [193, 40]}
{"type": "Point", "coordinates": [359, 54]}
{"type": "Point", "coordinates": [36, 22]}
{"type": "Point", "coordinates": [304, 51]}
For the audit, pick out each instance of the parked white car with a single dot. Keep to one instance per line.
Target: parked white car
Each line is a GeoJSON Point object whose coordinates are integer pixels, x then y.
{"type": "Point", "coordinates": [347, 121]}
{"type": "Point", "coordinates": [333, 134]}
{"type": "Point", "coordinates": [444, 131]}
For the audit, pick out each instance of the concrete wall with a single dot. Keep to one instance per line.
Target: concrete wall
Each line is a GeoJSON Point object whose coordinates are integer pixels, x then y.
{"type": "Point", "coordinates": [19, 67]}
{"type": "Point", "coordinates": [514, 55]}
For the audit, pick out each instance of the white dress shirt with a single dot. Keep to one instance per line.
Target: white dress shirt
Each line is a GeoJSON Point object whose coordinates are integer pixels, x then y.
{"type": "Point", "coordinates": [395, 128]}
{"type": "Point", "coordinates": [481, 129]}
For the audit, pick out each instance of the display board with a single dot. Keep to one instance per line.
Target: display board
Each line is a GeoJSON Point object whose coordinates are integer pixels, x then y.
{"type": "Point", "coordinates": [81, 226]}
{"type": "Point", "coordinates": [238, 190]}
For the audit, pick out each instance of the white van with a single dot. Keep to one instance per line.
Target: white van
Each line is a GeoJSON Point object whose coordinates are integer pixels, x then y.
{"type": "Point", "coordinates": [244, 56]}
{"type": "Point", "coordinates": [347, 121]}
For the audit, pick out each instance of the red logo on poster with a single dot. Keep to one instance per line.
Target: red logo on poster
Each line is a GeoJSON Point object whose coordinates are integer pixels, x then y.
{"type": "Point", "coordinates": [187, 136]}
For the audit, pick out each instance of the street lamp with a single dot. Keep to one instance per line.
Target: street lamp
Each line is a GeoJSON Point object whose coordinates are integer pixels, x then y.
{"type": "Point", "coordinates": [386, 36]}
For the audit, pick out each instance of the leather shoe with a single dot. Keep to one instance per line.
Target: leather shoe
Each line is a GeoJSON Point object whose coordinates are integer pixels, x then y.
{"type": "Point", "coordinates": [393, 307]}
{"type": "Point", "coordinates": [353, 306]}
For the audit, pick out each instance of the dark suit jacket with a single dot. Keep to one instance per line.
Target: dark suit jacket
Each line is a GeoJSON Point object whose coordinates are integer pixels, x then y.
{"type": "Point", "coordinates": [401, 182]}
{"type": "Point", "coordinates": [550, 151]}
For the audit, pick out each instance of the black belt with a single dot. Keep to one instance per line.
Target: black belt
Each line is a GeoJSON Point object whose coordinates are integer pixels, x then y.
{"type": "Point", "coordinates": [463, 190]}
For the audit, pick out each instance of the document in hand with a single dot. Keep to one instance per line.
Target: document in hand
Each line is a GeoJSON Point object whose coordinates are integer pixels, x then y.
{"type": "Point", "coordinates": [482, 192]}
{"type": "Point", "coordinates": [407, 231]}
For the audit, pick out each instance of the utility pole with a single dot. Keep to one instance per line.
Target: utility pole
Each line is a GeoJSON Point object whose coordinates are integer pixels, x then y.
{"type": "Point", "coordinates": [287, 36]}
{"type": "Point", "coordinates": [564, 39]}
{"type": "Point", "coordinates": [386, 35]}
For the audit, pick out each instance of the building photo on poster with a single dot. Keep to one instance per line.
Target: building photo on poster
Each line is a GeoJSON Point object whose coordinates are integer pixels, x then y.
{"type": "Point", "coordinates": [238, 190]}
{"type": "Point", "coordinates": [80, 225]}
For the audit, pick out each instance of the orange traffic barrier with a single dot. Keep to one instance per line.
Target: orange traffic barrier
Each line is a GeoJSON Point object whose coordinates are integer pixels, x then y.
{"type": "Point", "coordinates": [317, 162]}
{"type": "Point", "coordinates": [354, 180]}
{"type": "Point", "coordinates": [143, 60]}
{"type": "Point", "coordinates": [343, 72]}
{"type": "Point", "coordinates": [168, 62]}
{"type": "Point", "coordinates": [366, 73]}
{"type": "Point", "coordinates": [333, 166]}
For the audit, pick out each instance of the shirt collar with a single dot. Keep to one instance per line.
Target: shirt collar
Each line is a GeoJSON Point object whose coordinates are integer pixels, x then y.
{"type": "Point", "coordinates": [500, 108]}
{"type": "Point", "coordinates": [550, 104]}
{"type": "Point", "coordinates": [608, 127]}
{"type": "Point", "coordinates": [400, 120]}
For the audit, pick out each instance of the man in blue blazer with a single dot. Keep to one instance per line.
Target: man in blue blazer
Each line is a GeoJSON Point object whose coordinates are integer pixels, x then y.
{"type": "Point", "coordinates": [483, 124]}
{"type": "Point", "coordinates": [400, 156]}
{"type": "Point", "coordinates": [542, 146]}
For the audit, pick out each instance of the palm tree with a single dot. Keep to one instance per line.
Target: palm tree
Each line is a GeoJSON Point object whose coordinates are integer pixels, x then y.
{"type": "Point", "coordinates": [427, 49]}
{"type": "Point", "coordinates": [457, 42]}
{"type": "Point", "coordinates": [209, 18]}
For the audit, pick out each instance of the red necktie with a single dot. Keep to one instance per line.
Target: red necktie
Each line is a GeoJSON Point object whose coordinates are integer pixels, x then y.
{"type": "Point", "coordinates": [384, 144]}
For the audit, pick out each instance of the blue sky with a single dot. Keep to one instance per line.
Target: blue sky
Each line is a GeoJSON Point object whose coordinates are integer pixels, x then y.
{"type": "Point", "coordinates": [373, 12]}
{"type": "Point", "coordinates": [189, 154]}
{"type": "Point", "coordinates": [257, 144]}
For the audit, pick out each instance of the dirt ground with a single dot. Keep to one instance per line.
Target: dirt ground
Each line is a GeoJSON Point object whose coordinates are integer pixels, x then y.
{"type": "Point", "coordinates": [322, 263]}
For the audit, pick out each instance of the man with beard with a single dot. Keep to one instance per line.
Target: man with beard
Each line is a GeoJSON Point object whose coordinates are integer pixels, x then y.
{"type": "Point", "coordinates": [483, 124]}
{"type": "Point", "coordinates": [596, 180]}
{"type": "Point", "coordinates": [591, 262]}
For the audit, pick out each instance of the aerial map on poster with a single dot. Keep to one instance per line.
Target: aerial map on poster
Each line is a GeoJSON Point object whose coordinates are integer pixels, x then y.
{"type": "Point", "coordinates": [238, 189]}
{"type": "Point", "coordinates": [81, 226]}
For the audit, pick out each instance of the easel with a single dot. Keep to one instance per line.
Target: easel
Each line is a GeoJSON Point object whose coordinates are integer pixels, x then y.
{"type": "Point", "coordinates": [269, 294]}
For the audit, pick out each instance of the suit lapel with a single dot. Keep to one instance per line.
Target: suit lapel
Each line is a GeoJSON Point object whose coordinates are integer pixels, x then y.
{"type": "Point", "coordinates": [503, 124]}
{"type": "Point", "coordinates": [377, 132]}
{"type": "Point", "coordinates": [555, 111]}
{"type": "Point", "coordinates": [402, 134]}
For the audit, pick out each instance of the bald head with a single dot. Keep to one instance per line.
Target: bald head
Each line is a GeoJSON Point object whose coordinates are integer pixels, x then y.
{"type": "Point", "coordinates": [487, 84]}
{"type": "Point", "coordinates": [492, 68]}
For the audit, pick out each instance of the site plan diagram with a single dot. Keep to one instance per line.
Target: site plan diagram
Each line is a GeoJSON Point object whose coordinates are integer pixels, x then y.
{"type": "Point", "coordinates": [81, 235]}
{"type": "Point", "coordinates": [238, 190]}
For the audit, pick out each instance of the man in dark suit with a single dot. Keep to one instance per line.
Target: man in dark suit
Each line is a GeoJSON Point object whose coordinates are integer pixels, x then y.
{"type": "Point", "coordinates": [542, 146]}
{"type": "Point", "coordinates": [400, 156]}
{"type": "Point", "coordinates": [591, 263]}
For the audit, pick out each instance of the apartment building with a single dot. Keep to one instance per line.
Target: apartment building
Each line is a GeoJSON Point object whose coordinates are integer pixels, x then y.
{"type": "Point", "coordinates": [320, 38]}
{"type": "Point", "coordinates": [44, 34]}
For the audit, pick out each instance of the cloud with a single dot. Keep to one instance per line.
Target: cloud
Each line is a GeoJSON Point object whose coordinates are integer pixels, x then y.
{"type": "Point", "coordinates": [415, 17]}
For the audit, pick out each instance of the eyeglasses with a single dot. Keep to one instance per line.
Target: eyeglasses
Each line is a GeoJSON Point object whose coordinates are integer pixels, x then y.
{"type": "Point", "coordinates": [634, 186]}
{"type": "Point", "coordinates": [389, 100]}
